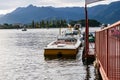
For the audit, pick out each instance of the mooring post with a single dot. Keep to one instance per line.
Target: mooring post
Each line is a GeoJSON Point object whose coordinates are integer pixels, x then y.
{"type": "Point", "coordinates": [86, 33]}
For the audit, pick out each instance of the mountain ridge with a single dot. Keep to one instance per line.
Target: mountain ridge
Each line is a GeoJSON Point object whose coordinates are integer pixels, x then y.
{"type": "Point", "coordinates": [103, 13]}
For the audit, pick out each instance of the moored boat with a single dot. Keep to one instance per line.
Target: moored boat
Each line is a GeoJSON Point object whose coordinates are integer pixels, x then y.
{"type": "Point", "coordinates": [63, 47]}
{"type": "Point", "coordinates": [24, 29]}
{"type": "Point", "coordinates": [77, 29]}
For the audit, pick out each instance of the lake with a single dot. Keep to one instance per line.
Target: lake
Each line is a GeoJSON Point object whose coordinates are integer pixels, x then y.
{"type": "Point", "coordinates": [22, 58]}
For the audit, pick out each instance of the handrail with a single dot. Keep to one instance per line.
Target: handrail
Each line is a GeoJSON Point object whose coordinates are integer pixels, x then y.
{"type": "Point", "coordinates": [107, 49]}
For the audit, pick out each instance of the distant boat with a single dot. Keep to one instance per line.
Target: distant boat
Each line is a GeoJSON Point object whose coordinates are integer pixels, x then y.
{"type": "Point", "coordinates": [24, 29]}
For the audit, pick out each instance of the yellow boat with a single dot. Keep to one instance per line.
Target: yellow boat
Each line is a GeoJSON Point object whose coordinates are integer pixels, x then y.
{"type": "Point", "coordinates": [63, 47]}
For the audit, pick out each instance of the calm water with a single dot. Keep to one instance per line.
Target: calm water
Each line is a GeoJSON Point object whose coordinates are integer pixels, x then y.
{"type": "Point", "coordinates": [21, 58]}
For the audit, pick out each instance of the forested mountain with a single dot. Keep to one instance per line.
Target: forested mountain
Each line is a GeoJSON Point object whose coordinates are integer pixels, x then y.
{"type": "Point", "coordinates": [103, 13]}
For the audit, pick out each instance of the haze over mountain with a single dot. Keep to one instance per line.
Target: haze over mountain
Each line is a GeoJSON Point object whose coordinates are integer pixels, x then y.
{"type": "Point", "coordinates": [103, 13]}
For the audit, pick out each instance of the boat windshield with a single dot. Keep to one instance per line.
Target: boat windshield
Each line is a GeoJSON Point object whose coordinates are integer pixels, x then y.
{"type": "Point", "coordinates": [77, 26]}
{"type": "Point", "coordinates": [68, 39]}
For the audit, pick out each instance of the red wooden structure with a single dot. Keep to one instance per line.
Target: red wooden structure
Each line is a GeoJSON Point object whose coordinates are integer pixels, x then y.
{"type": "Point", "coordinates": [86, 32]}
{"type": "Point", "coordinates": [107, 50]}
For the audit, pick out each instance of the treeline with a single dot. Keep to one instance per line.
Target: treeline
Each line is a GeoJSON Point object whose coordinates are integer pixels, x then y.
{"type": "Point", "coordinates": [50, 24]}
{"type": "Point", "coordinates": [9, 26]}
{"type": "Point", "coordinates": [91, 22]}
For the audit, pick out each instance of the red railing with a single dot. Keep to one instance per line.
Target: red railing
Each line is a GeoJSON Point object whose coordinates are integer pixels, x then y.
{"type": "Point", "coordinates": [107, 50]}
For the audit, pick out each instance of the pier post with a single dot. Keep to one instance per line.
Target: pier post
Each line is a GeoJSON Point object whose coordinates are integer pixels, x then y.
{"type": "Point", "coordinates": [86, 32]}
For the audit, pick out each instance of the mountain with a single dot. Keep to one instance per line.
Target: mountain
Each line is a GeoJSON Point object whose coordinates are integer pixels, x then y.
{"type": "Point", "coordinates": [27, 14]}
{"type": "Point", "coordinates": [1, 15]}
{"type": "Point", "coordinates": [103, 13]}
{"type": "Point", "coordinates": [106, 13]}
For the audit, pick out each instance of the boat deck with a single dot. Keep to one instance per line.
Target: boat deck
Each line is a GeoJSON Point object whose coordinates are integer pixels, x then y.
{"type": "Point", "coordinates": [64, 42]}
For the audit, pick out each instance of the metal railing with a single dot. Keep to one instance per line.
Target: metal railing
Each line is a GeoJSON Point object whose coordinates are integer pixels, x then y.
{"type": "Point", "coordinates": [107, 50]}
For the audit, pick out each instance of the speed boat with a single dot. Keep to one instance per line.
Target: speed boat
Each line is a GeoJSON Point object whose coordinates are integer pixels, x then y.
{"type": "Point", "coordinates": [63, 47]}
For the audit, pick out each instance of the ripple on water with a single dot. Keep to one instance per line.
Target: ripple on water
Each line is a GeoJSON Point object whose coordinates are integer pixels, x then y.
{"type": "Point", "coordinates": [21, 58]}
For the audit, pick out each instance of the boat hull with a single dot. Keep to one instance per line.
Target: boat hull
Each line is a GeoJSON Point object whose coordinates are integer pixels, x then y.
{"type": "Point", "coordinates": [60, 53]}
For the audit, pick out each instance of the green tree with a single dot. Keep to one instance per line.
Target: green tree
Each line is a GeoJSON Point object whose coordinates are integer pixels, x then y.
{"type": "Point", "coordinates": [37, 25]}
{"type": "Point", "coordinates": [33, 24]}
{"type": "Point", "coordinates": [42, 24]}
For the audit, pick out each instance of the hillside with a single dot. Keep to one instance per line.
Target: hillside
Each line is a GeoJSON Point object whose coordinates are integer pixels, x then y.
{"type": "Point", "coordinates": [106, 13]}
{"type": "Point", "coordinates": [103, 13]}
{"type": "Point", "coordinates": [1, 15]}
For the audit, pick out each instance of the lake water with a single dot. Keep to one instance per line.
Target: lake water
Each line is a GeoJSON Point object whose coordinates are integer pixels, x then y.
{"type": "Point", "coordinates": [22, 58]}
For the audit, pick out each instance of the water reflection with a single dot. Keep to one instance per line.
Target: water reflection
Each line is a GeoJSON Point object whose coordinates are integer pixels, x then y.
{"type": "Point", "coordinates": [87, 72]}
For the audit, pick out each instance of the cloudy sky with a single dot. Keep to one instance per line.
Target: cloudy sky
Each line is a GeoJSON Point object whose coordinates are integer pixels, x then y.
{"type": "Point", "coordinates": [7, 6]}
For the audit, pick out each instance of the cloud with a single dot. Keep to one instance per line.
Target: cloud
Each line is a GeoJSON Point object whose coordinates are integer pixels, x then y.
{"type": "Point", "coordinates": [6, 11]}
{"type": "Point", "coordinates": [5, 4]}
{"type": "Point", "coordinates": [103, 2]}
{"type": "Point", "coordinates": [70, 3]}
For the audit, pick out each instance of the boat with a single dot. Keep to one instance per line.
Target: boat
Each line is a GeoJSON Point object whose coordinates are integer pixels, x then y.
{"type": "Point", "coordinates": [77, 29]}
{"type": "Point", "coordinates": [63, 47]}
{"type": "Point", "coordinates": [91, 37]}
{"type": "Point", "coordinates": [66, 45]}
{"type": "Point", "coordinates": [24, 29]}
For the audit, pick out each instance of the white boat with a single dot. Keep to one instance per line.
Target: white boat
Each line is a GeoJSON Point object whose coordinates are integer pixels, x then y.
{"type": "Point", "coordinates": [63, 47]}
{"type": "Point", "coordinates": [24, 29]}
{"type": "Point", "coordinates": [77, 29]}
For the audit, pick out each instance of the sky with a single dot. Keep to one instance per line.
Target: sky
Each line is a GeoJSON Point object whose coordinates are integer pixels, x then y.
{"type": "Point", "coordinates": [7, 6]}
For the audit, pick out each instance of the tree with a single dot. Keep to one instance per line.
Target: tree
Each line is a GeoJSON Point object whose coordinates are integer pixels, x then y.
{"type": "Point", "coordinates": [92, 22]}
{"type": "Point", "coordinates": [33, 24]}
{"type": "Point", "coordinates": [37, 25]}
